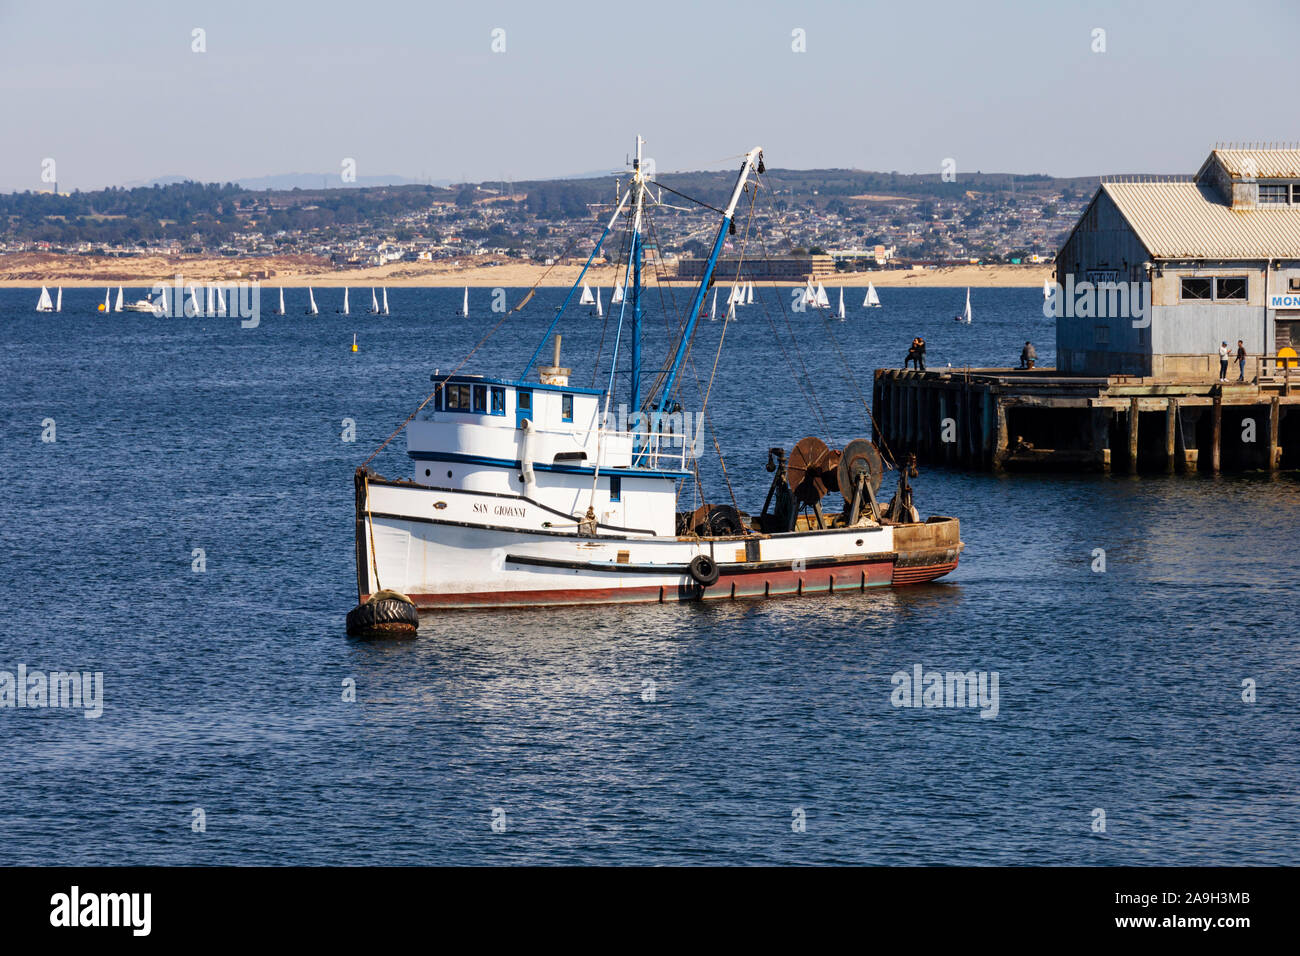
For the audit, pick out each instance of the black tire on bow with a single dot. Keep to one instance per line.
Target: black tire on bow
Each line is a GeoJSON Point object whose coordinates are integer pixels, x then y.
{"type": "Point", "coordinates": [383, 617]}
{"type": "Point", "coordinates": [704, 570]}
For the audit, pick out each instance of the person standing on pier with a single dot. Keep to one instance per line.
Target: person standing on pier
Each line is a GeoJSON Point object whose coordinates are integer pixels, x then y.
{"type": "Point", "coordinates": [1028, 355]}
{"type": "Point", "coordinates": [1224, 355]}
{"type": "Point", "coordinates": [916, 354]}
{"type": "Point", "coordinates": [1241, 361]}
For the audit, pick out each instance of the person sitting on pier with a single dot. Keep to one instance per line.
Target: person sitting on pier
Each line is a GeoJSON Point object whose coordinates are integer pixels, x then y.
{"type": "Point", "coordinates": [1241, 361]}
{"type": "Point", "coordinates": [1224, 354]}
{"type": "Point", "coordinates": [1028, 355]}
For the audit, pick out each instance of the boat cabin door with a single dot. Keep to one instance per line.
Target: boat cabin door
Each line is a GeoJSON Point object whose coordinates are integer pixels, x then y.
{"type": "Point", "coordinates": [523, 406]}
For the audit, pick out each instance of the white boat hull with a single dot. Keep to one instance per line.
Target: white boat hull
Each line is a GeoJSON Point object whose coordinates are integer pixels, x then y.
{"type": "Point", "coordinates": [454, 548]}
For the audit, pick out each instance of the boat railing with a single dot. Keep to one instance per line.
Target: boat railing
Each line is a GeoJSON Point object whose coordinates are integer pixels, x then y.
{"type": "Point", "coordinates": [1283, 368]}
{"type": "Point", "coordinates": [650, 450]}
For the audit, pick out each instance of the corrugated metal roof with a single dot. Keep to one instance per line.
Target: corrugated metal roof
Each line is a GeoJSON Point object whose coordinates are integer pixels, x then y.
{"type": "Point", "coordinates": [1261, 163]}
{"type": "Point", "coordinates": [1188, 221]}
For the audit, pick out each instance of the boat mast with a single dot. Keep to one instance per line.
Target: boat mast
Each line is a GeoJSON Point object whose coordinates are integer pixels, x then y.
{"type": "Point", "coordinates": [638, 179]}
{"type": "Point", "coordinates": [753, 161]}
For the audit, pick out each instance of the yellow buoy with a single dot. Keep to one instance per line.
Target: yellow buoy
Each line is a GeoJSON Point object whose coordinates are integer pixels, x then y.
{"type": "Point", "coordinates": [354, 341]}
{"type": "Point", "coordinates": [101, 307]}
{"type": "Point", "coordinates": [1288, 356]}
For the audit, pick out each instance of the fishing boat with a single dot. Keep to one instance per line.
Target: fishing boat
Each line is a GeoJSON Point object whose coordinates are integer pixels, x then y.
{"type": "Point", "coordinates": [872, 301]}
{"type": "Point", "coordinates": [311, 303]}
{"type": "Point", "coordinates": [526, 492]}
{"type": "Point", "coordinates": [44, 303]}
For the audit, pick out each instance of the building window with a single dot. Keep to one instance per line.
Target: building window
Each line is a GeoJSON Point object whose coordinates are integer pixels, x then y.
{"type": "Point", "coordinates": [1198, 288]}
{"type": "Point", "coordinates": [457, 398]}
{"type": "Point", "coordinates": [1232, 287]}
{"type": "Point", "coordinates": [498, 401]}
{"type": "Point", "coordinates": [1295, 194]}
{"type": "Point", "coordinates": [1273, 193]}
{"type": "Point", "coordinates": [566, 407]}
{"type": "Point", "coordinates": [615, 488]}
{"type": "Point", "coordinates": [480, 399]}
{"type": "Point", "coordinates": [1101, 334]}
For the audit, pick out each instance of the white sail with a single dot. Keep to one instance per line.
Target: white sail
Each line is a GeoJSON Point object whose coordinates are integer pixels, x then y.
{"type": "Point", "coordinates": [108, 300]}
{"type": "Point", "coordinates": [385, 300]}
{"type": "Point", "coordinates": [587, 297]}
{"type": "Point", "coordinates": [841, 310]}
{"type": "Point", "coordinates": [464, 306]}
{"type": "Point", "coordinates": [58, 306]}
{"type": "Point", "coordinates": [193, 308]}
{"type": "Point", "coordinates": [1047, 289]}
{"type": "Point", "coordinates": [823, 300]}
{"type": "Point", "coordinates": [617, 297]}
{"type": "Point", "coordinates": [600, 312]}
{"type": "Point", "coordinates": [731, 312]}
{"type": "Point", "coordinates": [117, 307]}
{"type": "Point", "coordinates": [737, 294]}
{"type": "Point", "coordinates": [345, 303]}
{"type": "Point", "coordinates": [713, 312]}
{"type": "Point", "coordinates": [221, 302]}
{"type": "Point", "coordinates": [160, 304]}
{"type": "Point", "coordinates": [281, 312]}
{"type": "Point", "coordinates": [966, 315]}
{"type": "Point", "coordinates": [210, 300]}
{"type": "Point", "coordinates": [374, 302]}
{"type": "Point", "coordinates": [749, 294]}
{"type": "Point", "coordinates": [872, 300]}
{"type": "Point", "coordinates": [311, 298]}
{"type": "Point", "coordinates": [809, 294]}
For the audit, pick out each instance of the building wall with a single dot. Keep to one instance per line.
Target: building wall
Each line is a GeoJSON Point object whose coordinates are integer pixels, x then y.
{"type": "Point", "coordinates": [1103, 247]}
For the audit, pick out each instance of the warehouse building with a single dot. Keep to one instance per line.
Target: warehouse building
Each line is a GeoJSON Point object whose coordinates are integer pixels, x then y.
{"type": "Point", "coordinates": [1200, 261]}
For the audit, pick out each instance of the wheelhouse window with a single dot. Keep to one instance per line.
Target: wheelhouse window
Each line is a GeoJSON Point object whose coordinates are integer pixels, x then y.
{"type": "Point", "coordinates": [1273, 193]}
{"type": "Point", "coordinates": [456, 398]}
{"type": "Point", "coordinates": [498, 400]}
{"type": "Point", "coordinates": [566, 407]}
{"type": "Point", "coordinates": [1230, 288]}
{"type": "Point", "coordinates": [480, 399]}
{"type": "Point", "coordinates": [615, 488]}
{"type": "Point", "coordinates": [1198, 288]}
{"type": "Point", "coordinates": [525, 400]}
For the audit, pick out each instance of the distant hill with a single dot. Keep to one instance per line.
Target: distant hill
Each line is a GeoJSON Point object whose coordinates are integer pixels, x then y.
{"type": "Point", "coordinates": [297, 181]}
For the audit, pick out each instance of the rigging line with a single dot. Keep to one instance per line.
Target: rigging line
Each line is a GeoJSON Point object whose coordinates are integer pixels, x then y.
{"type": "Point", "coordinates": [698, 202]}
{"type": "Point", "coordinates": [604, 325]}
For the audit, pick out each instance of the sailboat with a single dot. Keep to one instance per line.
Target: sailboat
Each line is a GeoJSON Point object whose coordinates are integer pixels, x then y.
{"type": "Point", "coordinates": [600, 312]}
{"type": "Point", "coordinates": [809, 299]}
{"type": "Point", "coordinates": [749, 294]}
{"type": "Point", "coordinates": [587, 298]}
{"type": "Point", "coordinates": [823, 300]}
{"type": "Point", "coordinates": [1047, 289]}
{"type": "Point", "coordinates": [965, 316]}
{"type": "Point", "coordinates": [374, 302]}
{"type": "Point", "coordinates": [280, 311]}
{"type": "Point", "coordinates": [118, 304]}
{"type": "Point", "coordinates": [221, 303]}
{"type": "Point", "coordinates": [160, 304]}
{"type": "Point", "coordinates": [731, 312]}
{"type": "Point", "coordinates": [872, 301]}
{"type": "Point", "coordinates": [107, 306]}
{"type": "Point", "coordinates": [713, 310]}
{"type": "Point", "coordinates": [385, 312]}
{"type": "Point", "coordinates": [193, 308]}
{"type": "Point", "coordinates": [617, 295]}
{"type": "Point", "coordinates": [524, 493]}
{"type": "Point", "coordinates": [464, 306]}
{"type": "Point", "coordinates": [58, 305]}
{"type": "Point", "coordinates": [841, 309]}
{"type": "Point", "coordinates": [344, 310]}
{"type": "Point", "coordinates": [311, 303]}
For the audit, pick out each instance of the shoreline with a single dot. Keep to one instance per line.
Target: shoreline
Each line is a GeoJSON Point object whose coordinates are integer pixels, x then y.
{"type": "Point", "coordinates": [31, 271]}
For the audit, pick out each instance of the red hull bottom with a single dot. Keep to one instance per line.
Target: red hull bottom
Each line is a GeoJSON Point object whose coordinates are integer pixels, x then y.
{"type": "Point", "coordinates": [730, 586]}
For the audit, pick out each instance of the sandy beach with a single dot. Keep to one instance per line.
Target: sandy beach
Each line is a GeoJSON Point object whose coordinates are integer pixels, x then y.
{"type": "Point", "coordinates": [37, 269]}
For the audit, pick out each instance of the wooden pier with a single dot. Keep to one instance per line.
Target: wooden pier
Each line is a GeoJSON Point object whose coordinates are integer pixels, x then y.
{"type": "Point", "coordinates": [993, 419]}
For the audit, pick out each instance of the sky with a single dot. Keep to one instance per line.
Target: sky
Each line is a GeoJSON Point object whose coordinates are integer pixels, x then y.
{"type": "Point", "coordinates": [115, 93]}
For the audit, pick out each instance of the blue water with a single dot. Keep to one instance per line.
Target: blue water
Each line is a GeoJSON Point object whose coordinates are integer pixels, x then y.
{"type": "Point", "coordinates": [1119, 691]}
